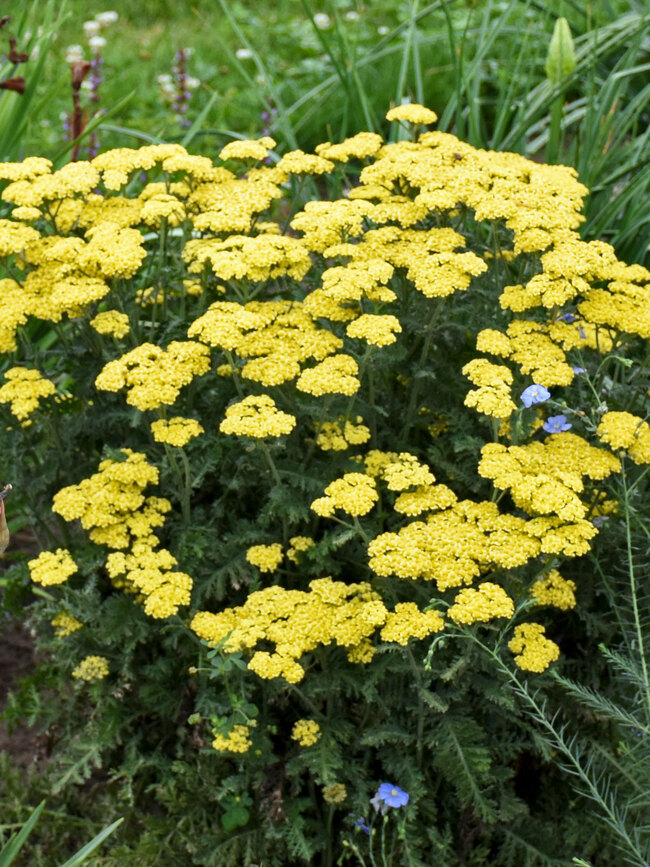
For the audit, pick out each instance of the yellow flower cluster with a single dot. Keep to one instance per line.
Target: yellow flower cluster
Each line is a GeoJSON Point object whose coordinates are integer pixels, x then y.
{"type": "Point", "coordinates": [553, 589]}
{"type": "Point", "coordinates": [111, 323]}
{"type": "Point", "coordinates": [533, 650]}
{"type": "Point", "coordinates": [412, 113]}
{"type": "Point", "coordinates": [177, 431]}
{"type": "Point", "coordinates": [52, 567]}
{"type": "Point", "coordinates": [425, 498]}
{"type": "Point", "coordinates": [297, 622]}
{"type": "Point", "coordinates": [74, 232]}
{"type": "Point", "coordinates": [92, 668]}
{"type": "Point", "coordinates": [236, 741]}
{"type": "Point", "coordinates": [481, 605]}
{"type": "Point", "coordinates": [247, 150]}
{"type": "Point", "coordinates": [456, 545]}
{"type": "Point", "coordinates": [155, 376]}
{"type": "Point", "coordinates": [354, 493]}
{"type": "Point", "coordinates": [275, 337]}
{"type": "Point", "coordinates": [404, 471]}
{"type": "Point", "coordinates": [545, 478]}
{"type": "Point", "coordinates": [359, 146]}
{"type": "Point", "coordinates": [306, 732]}
{"type": "Point", "coordinates": [339, 435]}
{"type": "Point", "coordinates": [492, 397]}
{"type": "Point", "coordinates": [258, 258]}
{"type": "Point", "coordinates": [407, 621]}
{"type": "Point", "coordinates": [335, 375]}
{"type": "Point", "coordinates": [23, 390]}
{"type": "Point", "coordinates": [376, 330]}
{"type": "Point", "coordinates": [335, 794]}
{"type": "Point", "coordinates": [258, 417]}
{"type": "Point", "coordinates": [297, 546]}
{"type": "Point", "coordinates": [65, 624]}
{"type": "Point", "coordinates": [267, 558]}
{"type": "Point", "coordinates": [148, 573]}
{"type": "Point", "coordinates": [111, 504]}
{"type": "Point", "coordinates": [622, 430]}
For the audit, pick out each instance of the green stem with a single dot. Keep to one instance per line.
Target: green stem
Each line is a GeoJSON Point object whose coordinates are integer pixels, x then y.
{"type": "Point", "coordinates": [276, 478]}
{"type": "Point", "coordinates": [383, 841]}
{"type": "Point", "coordinates": [420, 722]}
{"type": "Point", "coordinates": [413, 397]}
{"type": "Point", "coordinates": [187, 487]}
{"type": "Point", "coordinates": [173, 463]}
{"type": "Point", "coordinates": [633, 591]}
{"type": "Point", "coordinates": [555, 129]}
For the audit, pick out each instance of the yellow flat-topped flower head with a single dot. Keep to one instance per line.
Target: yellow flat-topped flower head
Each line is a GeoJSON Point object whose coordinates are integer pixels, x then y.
{"type": "Point", "coordinates": [412, 113]}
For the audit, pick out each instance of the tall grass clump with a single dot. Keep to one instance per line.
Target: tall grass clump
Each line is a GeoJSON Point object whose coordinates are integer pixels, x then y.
{"type": "Point", "coordinates": [318, 451]}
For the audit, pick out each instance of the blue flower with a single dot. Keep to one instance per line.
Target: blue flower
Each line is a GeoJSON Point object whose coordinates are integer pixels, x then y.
{"type": "Point", "coordinates": [567, 317]}
{"type": "Point", "coordinates": [534, 394]}
{"type": "Point", "coordinates": [577, 369]}
{"type": "Point", "coordinates": [361, 823]}
{"type": "Point", "coordinates": [391, 796]}
{"type": "Point", "coordinates": [556, 424]}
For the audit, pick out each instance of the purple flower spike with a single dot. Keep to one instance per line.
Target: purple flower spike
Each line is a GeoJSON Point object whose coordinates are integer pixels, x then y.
{"type": "Point", "coordinates": [534, 394]}
{"type": "Point", "coordinates": [556, 424]}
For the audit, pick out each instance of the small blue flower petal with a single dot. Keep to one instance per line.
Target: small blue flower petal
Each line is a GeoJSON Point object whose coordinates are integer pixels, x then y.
{"type": "Point", "coordinates": [556, 424]}
{"type": "Point", "coordinates": [392, 795]}
{"type": "Point", "coordinates": [361, 823]}
{"type": "Point", "coordinates": [534, 394]}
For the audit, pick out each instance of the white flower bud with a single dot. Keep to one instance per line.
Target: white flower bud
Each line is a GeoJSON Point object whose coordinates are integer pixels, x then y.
{"type": "Point", "coordinates": [96, 44]}
{"type": "Point", "coordinates": [91, 28]}
{"type": "Point", "coordinates": [104, 19]}
{"type": "Point", "coordinates": [322, 20]}
{"type": "Point", "coordinates": [74, 54]}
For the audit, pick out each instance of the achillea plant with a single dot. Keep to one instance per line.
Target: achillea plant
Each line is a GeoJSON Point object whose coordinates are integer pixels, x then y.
{"type": "Point", "coordinates": [292, 456]}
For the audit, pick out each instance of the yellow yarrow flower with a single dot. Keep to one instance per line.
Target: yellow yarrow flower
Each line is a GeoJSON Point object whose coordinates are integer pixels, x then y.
{"type": "Point", "coordinates": [412, 113]}
{"type": "Point", "coordinates": [335, 794]}
{"type": "Point", "coordinates": [111, 323]}
{"type": "Point", "coordinates": [407, 621]}
{"type": "Point", "coordinates": [65, 624]}
{"type": "Point", "coordinates": [354, 493]}
{"type": "Point", "coordinates": [553, 589]}
{"type": "Point", "coordinates": [306, 732]}
{"type": "Point", "coordinates": [376, 330]}
{"type": "Point", "coordinates": [91, 668]}
{"type": "Point", "coordinates": [52, 567]}
{"type": "Point", "coordinates": [177, 431]}
{"type": "Point", "coordinates": [257, 416]}
{"type": "Point", "coordinates": [267, 558]}
{"type": "Point", "coordinates": [533, 651]}
{"type": "Point", "coordinates": [622, 430]}
{"type": "Point", "coordinates": [23, 390]}
{"type": "Point", "coordinates": [256, 149]}
{"type": "Point", "coordinates": [236, 741]}
{"type": "Point", "coordinates": [485, 603]}
{"type": "Point", "coordinates": [297, 546]}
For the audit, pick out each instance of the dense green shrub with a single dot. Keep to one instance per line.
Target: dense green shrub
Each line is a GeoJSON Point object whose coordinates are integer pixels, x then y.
{"type": "Point", "coordinates": [315, 448]}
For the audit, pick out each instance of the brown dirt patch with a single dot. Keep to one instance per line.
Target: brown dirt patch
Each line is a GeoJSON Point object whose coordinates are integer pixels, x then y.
{"type": "Point", "coordinates": [16, 661]}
